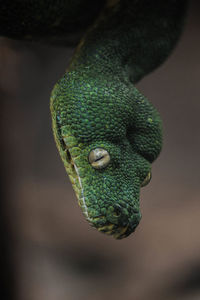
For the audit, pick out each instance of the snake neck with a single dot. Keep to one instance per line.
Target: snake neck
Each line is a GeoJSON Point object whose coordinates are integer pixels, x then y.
{"type": "Point", "coordinates": [131, 38]}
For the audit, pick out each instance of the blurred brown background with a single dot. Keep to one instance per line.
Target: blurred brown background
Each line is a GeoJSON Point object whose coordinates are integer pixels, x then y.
{"type": "Point", "coordinates": [50, 251]}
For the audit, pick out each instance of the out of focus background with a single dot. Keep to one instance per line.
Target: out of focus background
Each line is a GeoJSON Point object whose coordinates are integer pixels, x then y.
{"type": "Point", "coordinates": [48, 250]}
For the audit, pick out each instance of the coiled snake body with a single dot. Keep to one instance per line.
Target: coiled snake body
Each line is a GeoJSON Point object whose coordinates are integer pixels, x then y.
{"type": "Point", "coordinates": [106, 131]}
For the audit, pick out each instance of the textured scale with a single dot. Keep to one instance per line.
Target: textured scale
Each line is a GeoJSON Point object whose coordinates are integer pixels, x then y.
{"type": "Point", "coordinates": [95, 105]}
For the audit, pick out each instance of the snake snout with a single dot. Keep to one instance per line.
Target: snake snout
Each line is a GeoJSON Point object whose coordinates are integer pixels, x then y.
{"type": "Point", "coordinates": [120, 221]}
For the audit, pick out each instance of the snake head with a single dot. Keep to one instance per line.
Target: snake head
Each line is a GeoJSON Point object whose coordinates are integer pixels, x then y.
{"type": "Point", "coordinates": [108, 134]}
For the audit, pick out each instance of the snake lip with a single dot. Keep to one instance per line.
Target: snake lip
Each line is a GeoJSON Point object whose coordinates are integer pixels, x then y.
{"type": "Point", "coordinates": [115, 230]}
{"type": "Point", "coordinates": [102, 225]}
{"type": "Point", "coordinates": [120, 223]}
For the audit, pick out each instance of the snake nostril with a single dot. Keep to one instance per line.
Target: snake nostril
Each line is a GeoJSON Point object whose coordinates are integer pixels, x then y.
{"type": "Point", "coordinates": [117, 209]}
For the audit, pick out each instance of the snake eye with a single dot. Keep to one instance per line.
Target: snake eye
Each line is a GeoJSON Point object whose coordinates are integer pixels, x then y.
{"type": "Point", "coordinates": [99, 158]}
{"type": "Point", "coordinates": [147, 179]}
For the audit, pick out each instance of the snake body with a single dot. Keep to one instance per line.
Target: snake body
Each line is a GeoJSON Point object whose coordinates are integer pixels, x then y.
{"type": "Point", "coordinates": [106, 131]}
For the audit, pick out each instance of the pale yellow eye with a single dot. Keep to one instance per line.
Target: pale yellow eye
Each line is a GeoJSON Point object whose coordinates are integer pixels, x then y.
{"type": "Point", "coordinates": [99, 158]}
{"type": "Point", "coordinates": [146, 180]}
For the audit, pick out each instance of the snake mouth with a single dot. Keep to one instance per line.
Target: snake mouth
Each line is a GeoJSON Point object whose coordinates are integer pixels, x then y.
{"type": "Point", "coordinates": [118, 232]}
{"type": "Point", "coordinates": [120, 223]}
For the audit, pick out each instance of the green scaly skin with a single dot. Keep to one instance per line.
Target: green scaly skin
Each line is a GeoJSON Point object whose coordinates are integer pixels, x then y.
{"type": "Point", "coordinates": [96, 105]}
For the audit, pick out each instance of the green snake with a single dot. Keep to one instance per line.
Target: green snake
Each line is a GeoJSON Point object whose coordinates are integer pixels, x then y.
{"type": "Point", "coordinates": [107, 133]}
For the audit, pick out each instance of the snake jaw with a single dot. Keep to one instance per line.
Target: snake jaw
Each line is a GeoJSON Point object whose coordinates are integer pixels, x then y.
{"type": "Point", "coordinates": [116, 230]}
{"type": "Point", "coordinates": [110, 229]}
